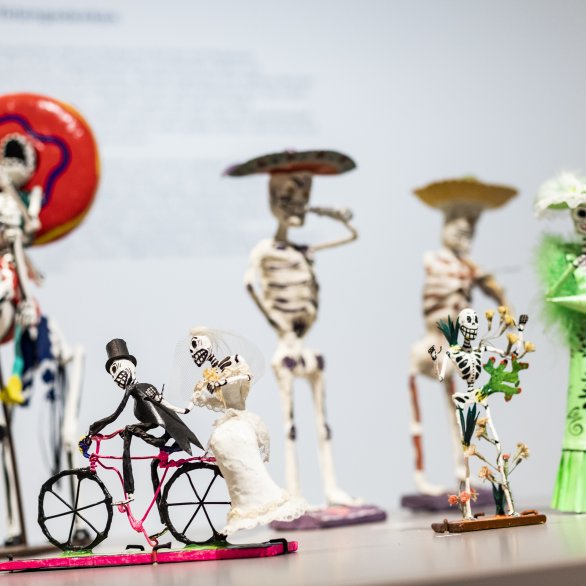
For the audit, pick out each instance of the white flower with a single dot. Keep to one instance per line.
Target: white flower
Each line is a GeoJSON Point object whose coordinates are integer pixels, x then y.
{"type": "Point", "coordinates": [566, 190]}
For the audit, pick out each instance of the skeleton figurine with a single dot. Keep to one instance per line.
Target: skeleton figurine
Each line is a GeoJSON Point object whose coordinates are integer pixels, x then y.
{"type": "Point", "coordinates": [287, 292]}
{"type": "Point", "coordinates": [562, 267]}
{"type": "Point", "coordinates": [48, 178]}
{"type": "Point", "coordinates": [466, 359]}
{"type": "Point", "coordinates": [450, 278]}
{"type": "Point", "coordinates": [240, 440]}
{"type": "Point", "coordinates": [150, 408]}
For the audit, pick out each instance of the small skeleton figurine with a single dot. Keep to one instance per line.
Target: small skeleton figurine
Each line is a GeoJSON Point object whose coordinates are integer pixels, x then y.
{"type": "Point", "coordinates": [450, 278]}
{"type": "Point", "coordinates": [240, 440]}
{"type": "Point", "coordinates": [466, 359]}
{"type": "Point", "coordinates": [562, 267]}
{"type": "Point", "coordinates": [150, 408]}
{"type": "Point", "coordinates": [282, 282]}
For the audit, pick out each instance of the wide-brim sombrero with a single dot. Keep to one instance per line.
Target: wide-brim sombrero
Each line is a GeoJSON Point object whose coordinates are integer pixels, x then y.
{"type": "Point", "coordinates": [67, 159]}
{"type": "Point", "coordinates": [467, 192]}
{"type": "Point", "coordinates": [316, 162]}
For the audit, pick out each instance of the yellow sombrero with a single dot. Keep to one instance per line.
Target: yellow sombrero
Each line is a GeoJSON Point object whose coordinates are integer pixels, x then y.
{"type": "Point", "coordinates": [466, 192]}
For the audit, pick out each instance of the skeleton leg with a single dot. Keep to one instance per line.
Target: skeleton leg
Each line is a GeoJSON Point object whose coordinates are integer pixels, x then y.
{"type": "Point", "coordinates": [465, 481]}
{"type": "Point", "coordinates": [423, 486]}
{"type": "Point", "coordinates": [285, 378]}
{"type": "Point", "coordinates": [455, 431]}
{"type": "Point", "coordinates": [334, 494]}
{"type": "Point", "coordinates": [500, 462]}
{"type": "Point", "coordinates": [138, 430]}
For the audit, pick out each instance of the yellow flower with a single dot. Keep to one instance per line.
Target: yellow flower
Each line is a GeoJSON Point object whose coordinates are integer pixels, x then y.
{"type": "Point", "coordinates": [529, 347]}
{"type": "Point", "coordinates": [211, 375]}
{"type": "Point", "coordinates": [503, 309]}
{"type": "Point", "coordinates": [512, 338]}
{"type": "Point", "coordinates": [470, 451]}
{"type": "Point", "coordinates": [485, 473]}
{"type": "Point", "coordinates": [489, 314]}
{"type": "Point", "coordinates": [522, 451]}
{"type": "Point", "coordinates": [509, 320]}
{"type": "Point", "coordinates": [481, 426]}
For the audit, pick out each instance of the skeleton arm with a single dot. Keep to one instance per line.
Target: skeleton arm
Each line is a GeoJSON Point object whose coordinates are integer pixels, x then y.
{"type": "Point", "coordinates": [97, 426]}
{"type": "Point", "coordinates": [154, 396]}
{"type": "Point", "coordinates": [563, 278]}
{"type": "Point", "coordinates": [344, 216]}
{"type": "Point", "coordinates": [250, 278]}
{"type": "Point", "coordinates": [440, 373]}
{"type": "Point", "coordinates": [487, 283]}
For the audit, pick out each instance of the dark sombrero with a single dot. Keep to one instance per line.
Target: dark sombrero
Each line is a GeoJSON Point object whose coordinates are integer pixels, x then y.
{"type": "Point", "coordinates": [316, 162]}
{"type": "Point", "coordinates": [466, 192]}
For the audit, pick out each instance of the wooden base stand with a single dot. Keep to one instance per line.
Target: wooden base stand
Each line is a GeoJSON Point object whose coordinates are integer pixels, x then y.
{"type": "Point", "coordinates": [493, 522]}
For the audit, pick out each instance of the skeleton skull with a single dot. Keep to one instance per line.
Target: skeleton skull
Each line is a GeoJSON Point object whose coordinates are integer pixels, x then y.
{"type": "Point", "coordinates": [123, 372]}
{"type": "Point", "coordinates": [289, 196]}
{"type": "Point", "coordinates": [468, 320]}
{"type": "Point", "coordinates": [457, 234]}
{"type": "Point", "coordinates": [17, 159]}
{"type": "Point", "coordinates": [579, 218]}
{"type": "Point", "coordinates": [200, 349]}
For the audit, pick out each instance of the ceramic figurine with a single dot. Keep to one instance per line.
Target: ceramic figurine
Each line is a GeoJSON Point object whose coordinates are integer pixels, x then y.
{"type": "Point", "coordinates": [240, 440]}
{"type": "Point", "coordinates": [282, 281]}
{"type": "Point", "coordinates": [466, 360]}
{"type": "Point", "coordinates": [48, 178]}
{"type": "Point", "coordinates": [451, 277]}
{"type": "Point", "coordinates": [562, 266]}
{"type": "Point", "coordinates": [187, 492]}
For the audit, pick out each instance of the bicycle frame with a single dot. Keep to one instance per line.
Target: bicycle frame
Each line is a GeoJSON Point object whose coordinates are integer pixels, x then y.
{"type": "Point", "coordinates": [96, 459]}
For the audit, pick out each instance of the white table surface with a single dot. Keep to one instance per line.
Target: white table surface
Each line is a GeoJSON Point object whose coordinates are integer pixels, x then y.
{"type": "Point", "coordinates": [403, 550]}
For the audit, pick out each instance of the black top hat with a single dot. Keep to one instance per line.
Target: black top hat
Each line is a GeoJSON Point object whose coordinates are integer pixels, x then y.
{"type": "Point", "coordinates": [117, 350]}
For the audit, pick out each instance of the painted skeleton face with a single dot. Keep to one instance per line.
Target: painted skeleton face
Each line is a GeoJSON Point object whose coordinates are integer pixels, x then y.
{"type": "Point", "coordinates": [17, 158]}
{"type": "Point", "coordinates": [200, 349]}
{"type": "Point", "coordinates": [289, 194]}
{"type": "Point", "coordinates": [579, 218]}
{"type": "Point", "coordinates": [457, 235]}
{"type": "Point", "coordinates": [123, 372]}
{"type": "Point", "coordinates": [468, 320]}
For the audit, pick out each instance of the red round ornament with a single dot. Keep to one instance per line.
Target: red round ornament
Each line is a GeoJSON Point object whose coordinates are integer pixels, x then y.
{"type": "Point", "coordinates": [67, 166]}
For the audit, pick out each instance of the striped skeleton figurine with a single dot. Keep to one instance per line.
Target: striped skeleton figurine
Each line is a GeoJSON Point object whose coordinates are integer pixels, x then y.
{"type": "Point", "coordinates": [466, 360]}
{"type": "Point", "coordinates": [450, 280]}
{"type": "Point", "coordinates": [281, 280]}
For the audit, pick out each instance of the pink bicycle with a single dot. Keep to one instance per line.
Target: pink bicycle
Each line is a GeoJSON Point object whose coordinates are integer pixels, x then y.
{"type": "Point", "coordinates": [82, 520]}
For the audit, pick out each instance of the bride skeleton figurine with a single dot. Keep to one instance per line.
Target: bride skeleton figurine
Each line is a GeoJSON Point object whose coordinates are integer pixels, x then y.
{"type": "Point", "coordinates": [450, 278]}
{"type": "Point", "coordinates": [466, 359]}
{"type": "Point", "coordinates": [562, 267]}
{"type": "Point", "coordinates": [240, 440]}
{"type": "Point", "coordinates": [48, 178]}
{"type": "Point", "coordinates": [287, 292]}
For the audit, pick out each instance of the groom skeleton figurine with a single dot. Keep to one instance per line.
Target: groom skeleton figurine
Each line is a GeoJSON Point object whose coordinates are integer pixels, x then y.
{"type": "Point", "coordinates": [150, 408]}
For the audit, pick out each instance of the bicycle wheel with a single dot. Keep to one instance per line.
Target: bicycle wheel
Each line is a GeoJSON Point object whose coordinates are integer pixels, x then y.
{"type": "Point", "coordinates": [78, 521]}
{"type": "Point", "coordinates": [194, 502]}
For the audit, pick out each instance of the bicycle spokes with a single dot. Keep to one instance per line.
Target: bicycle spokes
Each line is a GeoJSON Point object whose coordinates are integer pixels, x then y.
{"type": "Point", "coordinates": [78, 520]}
{"type": "Point", "coordinates": [194, 504]}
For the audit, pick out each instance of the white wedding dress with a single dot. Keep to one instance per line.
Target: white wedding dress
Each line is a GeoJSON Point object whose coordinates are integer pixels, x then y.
{"type": "Point", "coordinates": [240, 443]}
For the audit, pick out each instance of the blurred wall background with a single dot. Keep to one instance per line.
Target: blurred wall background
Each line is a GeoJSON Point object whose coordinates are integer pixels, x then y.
{"type": "Point", "coordinates": [414, 91]}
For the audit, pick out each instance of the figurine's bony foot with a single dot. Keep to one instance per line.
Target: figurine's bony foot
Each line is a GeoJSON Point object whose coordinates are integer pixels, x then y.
{"type": "Point", "coordinates": [426, 487]}
{"type": "Point", "coordinates": [339, 497]}
{"type": "Point", "coordinates": [14, 540]}
{"type": "Point", "coordinates": [513, 514]}
{"type": "Point", "coordinates": [129, 498]}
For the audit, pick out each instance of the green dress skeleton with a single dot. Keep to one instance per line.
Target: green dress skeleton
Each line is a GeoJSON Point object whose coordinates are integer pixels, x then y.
{"type": "Point", "coordinates": [562, 267]}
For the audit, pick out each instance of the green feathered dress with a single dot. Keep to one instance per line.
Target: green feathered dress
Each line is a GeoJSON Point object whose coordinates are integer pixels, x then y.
{"type": "Point", "coordinates": [567, 309]}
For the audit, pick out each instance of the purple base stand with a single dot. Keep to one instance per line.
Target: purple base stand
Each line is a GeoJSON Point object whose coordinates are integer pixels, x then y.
{"type": "Point", "coordinates": [333, 516]}
{"type": "Point", "coordinates": [426, 502]}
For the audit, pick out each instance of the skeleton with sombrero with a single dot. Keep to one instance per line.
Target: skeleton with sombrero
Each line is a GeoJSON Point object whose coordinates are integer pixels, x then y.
{"type": "Point", "coordinates": [450, 278]}
{"type": "Point", "coordinates": [282, 282]}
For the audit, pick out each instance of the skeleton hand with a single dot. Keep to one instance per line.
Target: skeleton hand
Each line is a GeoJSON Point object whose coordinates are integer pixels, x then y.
{"type": "Point", "coordinates": [434, 353]}
{"type": "Point", "coordinates": [84, 444]}
{"type": "Point", "coordinates": [580, 261]}
{"type": "Point", "coordinates": [27, 314]}
{"type": "Point", "coordinates": [212, 386]}
{"type": "Point", "coordinates": [342, 214]}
